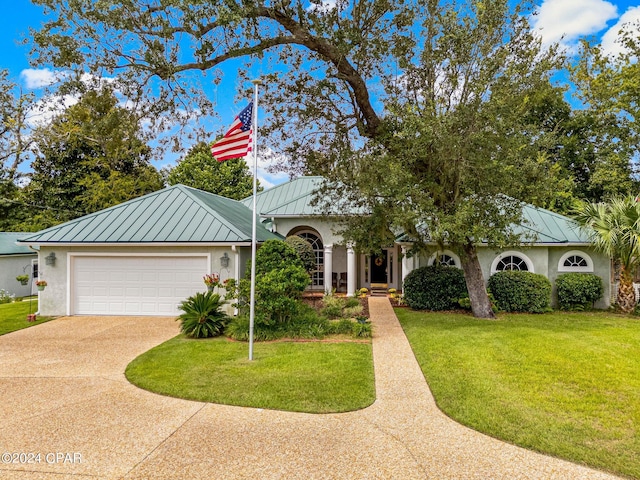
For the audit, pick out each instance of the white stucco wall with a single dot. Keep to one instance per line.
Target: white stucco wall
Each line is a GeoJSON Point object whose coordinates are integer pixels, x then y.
{"type": "Point", "coordinates": [10, 267]}
{"type": "Point", "coordinates": [544, 260]}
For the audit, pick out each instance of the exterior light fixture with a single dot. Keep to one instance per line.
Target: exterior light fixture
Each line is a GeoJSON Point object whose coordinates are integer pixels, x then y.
{"type": "Point", "coordinates": [50, 259]}
{"type": "Point", "coordinates": [224, 260]}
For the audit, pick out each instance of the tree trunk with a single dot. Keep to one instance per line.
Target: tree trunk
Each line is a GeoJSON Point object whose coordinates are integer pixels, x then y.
{"type": "Point", "coordinates": [480, 303]}
{"type": "Point", "coordinates": [626, 294]}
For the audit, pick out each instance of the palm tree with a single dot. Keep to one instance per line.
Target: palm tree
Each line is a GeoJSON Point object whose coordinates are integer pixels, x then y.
{"type": "Point", "coordinates": [614, 229]}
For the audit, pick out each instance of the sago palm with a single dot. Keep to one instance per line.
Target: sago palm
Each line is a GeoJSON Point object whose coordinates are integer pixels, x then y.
{"type": "Point", "coordinates": [614, 229]}
{"type": "Point", "coordinates": [202, 317]}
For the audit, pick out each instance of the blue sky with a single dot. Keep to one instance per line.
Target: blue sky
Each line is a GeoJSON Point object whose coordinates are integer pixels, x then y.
{"type": "Point", "coordinates": [565, 21]}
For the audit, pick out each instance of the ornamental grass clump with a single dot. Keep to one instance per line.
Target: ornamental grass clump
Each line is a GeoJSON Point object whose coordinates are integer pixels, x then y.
{"type": "Point", "coordinates": [202, 317]}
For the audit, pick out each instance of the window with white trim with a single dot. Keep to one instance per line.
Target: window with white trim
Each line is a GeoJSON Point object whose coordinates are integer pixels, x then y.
{"type": "Point", "coordinates": [317, 276]}
{"type": "Point", "coordinates": [512, 261]}
{"type": "Point", "coordinates": [446, 259]}
{"type": "Point", "coordinates": [575, 261]}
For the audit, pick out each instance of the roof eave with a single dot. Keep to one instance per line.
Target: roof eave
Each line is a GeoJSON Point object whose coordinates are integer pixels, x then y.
{"type": "Point", "coordinates": [245, 243]}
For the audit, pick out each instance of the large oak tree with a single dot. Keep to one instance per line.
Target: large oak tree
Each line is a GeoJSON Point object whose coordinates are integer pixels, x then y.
{"type": "Point", "coordinates": [91, 156]}
{"type": "Point", "coordinates": [418, 107]}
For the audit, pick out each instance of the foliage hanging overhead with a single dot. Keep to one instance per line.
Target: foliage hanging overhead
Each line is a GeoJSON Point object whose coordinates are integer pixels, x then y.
{"type": "Point", "coordinates": [417, 107]}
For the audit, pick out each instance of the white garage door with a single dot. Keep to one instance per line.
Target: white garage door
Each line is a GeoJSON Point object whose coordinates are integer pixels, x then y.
{"type": "Point", "coordinates": [134, 285]}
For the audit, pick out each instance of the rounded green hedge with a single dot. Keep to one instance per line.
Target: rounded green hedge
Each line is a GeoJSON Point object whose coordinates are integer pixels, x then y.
{"type": "Point", "coordinates": [434, 288]}
{"type": "Point", "coordinates": [518, 291]}
{"type": "Point", "coordinates": [578, 291]}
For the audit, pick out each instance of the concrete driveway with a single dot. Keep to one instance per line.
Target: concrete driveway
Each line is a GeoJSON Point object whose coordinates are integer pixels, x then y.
{"type": "Point", "coordinates": [67, 412]}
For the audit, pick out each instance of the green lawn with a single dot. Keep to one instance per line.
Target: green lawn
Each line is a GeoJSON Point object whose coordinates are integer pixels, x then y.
{"type": "Point", "coordinates": [315, 377]}
{"type": "Point", "coordinates": [13, 316]}
{"type": "Point", "coordinates": [560, 383]}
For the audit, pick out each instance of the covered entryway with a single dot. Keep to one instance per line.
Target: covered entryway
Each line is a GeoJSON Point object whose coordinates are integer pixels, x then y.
{"type": "Point", "coordinates": [134, 285]}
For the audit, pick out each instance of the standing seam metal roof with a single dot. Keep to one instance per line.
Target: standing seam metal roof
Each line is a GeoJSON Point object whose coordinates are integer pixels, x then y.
{"type": "Point", "coordinates": [8, 244]}
{"type": "Point", "coordinates": [176, 214]}
{"type": "Point", "coordinates": [294, 199]}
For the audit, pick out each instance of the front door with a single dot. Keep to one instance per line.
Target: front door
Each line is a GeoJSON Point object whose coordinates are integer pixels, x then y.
{"type": "Point", "coordinates": [379, 269]}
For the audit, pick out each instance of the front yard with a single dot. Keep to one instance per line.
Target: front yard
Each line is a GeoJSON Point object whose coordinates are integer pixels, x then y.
{"type": "Point", "coordinates": [566, 384]}
{"type": "Point", "coordinates": [315, 377]}
{"type": "Point", "coordinates": [13, 316]}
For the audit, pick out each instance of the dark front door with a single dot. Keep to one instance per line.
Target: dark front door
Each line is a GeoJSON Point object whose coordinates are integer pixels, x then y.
{"type": "Point", "coordinates": [379, 268]}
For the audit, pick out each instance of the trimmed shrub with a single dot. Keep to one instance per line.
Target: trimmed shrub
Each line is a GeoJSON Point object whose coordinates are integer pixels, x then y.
{"type": "Point", "coordinates": [202, 317]}
{"type": "Point", "coordinates": [578, 291]}
{"type": "Point", "coordinates": [304, 251]}
{"type": "Point", "coordinates": [274, 255]}
{"type": "Point", "coordinates": [434, 288]}
{"type": "Point", "coordinates": [518, 291]}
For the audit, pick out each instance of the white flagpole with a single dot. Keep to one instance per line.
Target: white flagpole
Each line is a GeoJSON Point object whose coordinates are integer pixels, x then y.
{"type": "Point", "coordinates": [254, 148]}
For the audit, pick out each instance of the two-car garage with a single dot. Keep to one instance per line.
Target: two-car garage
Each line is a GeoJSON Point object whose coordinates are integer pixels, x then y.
{"type": "Point", "coordinates": [134, 285]}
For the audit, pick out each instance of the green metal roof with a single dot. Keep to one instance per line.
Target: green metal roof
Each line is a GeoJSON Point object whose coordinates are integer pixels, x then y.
{"type": "Point", "coordinates": [550, 227]}
{"type": "Point", "coordinates": [8, 244]}
{"type": "Point", "coordinates": [294, 199]}
{"type": "Point", "coordinates": [543, 226]}
{"type": "Point", "coordinates": [176, 214]}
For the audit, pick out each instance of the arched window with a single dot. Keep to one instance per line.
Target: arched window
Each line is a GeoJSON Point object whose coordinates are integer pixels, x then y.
{"type": "Point", "coordinates": [317, 276]}
{"type": "Point", "coordinates": [575, 261]}
{"type": "Point", "coordinates": [512, 261]}
{"type": "Point", "coordinates": [445, 258]}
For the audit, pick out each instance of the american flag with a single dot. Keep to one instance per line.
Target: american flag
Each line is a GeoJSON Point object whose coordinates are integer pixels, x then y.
{"type": "Point", "coordinates": [236, 143]}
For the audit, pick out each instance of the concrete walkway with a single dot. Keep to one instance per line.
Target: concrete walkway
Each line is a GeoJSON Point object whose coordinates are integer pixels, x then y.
{"type": "Point", "coordinates": [65, 397]}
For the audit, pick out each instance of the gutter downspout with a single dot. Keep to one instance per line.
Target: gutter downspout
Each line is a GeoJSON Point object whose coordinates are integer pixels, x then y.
{"type": "Point", "coordinates": [32, 280]}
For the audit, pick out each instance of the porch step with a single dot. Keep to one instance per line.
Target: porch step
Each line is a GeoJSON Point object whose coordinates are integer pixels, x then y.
{"type": "Point", "coordinates": [378, 292]}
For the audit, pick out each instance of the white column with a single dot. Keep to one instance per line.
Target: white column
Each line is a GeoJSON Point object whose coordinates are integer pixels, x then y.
{"type": "Point", "coordinates": [328, 268]}
{"type": "Point", "coordinates": [351, 271]}
{"type": "Point", "coordinates": [407, 264]}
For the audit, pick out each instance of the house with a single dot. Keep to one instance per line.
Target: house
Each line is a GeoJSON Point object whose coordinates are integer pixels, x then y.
{"type": "Point", "coordinates": [16, 260]}
{"type": "Point", "coordinates": [146, 255]}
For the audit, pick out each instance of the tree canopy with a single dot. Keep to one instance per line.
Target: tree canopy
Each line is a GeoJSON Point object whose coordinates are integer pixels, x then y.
{"type": "Point", "coordinates": [90, 157]}
{"type": "Point", "coordinates": [198, 169]}
{"type": "Point", "coordinates": [436, 116]}
{"type": "Point", "coordinates": [15, 144]}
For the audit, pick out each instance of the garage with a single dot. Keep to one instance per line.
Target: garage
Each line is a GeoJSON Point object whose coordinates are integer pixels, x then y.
{"type": "Point", "coordinates": [134, 285]}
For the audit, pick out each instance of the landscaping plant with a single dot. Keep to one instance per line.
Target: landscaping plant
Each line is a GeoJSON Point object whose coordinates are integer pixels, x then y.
{"type": "Point", "coordinates": [304, 250]}
{"type": "Point", "coordinates": [202, 317]}
{"type": "Point", "coordinates": [578, 291]}
{"type": "Point", "coordinates": [435, 287]}
{"type": "Point", "coordinates": [519, 291]}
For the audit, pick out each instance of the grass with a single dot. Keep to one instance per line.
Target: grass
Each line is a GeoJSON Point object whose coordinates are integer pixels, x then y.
{"type": "Point", "coordinates": [13, 316]}
{"type": "Point", "coordinates": [315, 377]}
{"type": "Point", "coordinates": [566, 384]}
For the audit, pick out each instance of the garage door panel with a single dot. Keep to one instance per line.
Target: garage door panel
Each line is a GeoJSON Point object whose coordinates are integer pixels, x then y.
{"type": "Point", "coordinates": [103, 285]}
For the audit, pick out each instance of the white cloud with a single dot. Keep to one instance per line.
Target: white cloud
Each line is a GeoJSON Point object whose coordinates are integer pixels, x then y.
{"type": "Point", "coordinates": [45, 109]}
{"type": "Point", "coordinates": [39, 78]}
{"type": "Point", "coordinates": [565, 21]}
{"type": "Point", "coordinates": [629, 21]}
{"type": "Point", "coordinates": [267, 161]}
{"type": "Point", "coordinates": [324, 6]}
